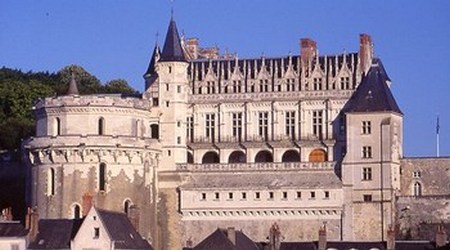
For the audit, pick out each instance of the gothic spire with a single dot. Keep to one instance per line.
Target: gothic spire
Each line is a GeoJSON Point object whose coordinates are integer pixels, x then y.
{"type": "Point", "coordinates": [172, 50]}
{"type": "Point", "coordinates": [73, 88]}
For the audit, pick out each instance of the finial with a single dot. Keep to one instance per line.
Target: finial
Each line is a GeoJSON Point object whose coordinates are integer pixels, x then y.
{"type": "Point", "coordinates": [157, 37]}
{"type": "Point", "coordinates": [171, 9]}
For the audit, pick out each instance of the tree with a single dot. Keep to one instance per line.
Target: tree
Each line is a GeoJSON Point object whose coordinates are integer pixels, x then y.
{"type": "Point", "coordinates": [118, 86]}
{"type": "Point", "coordinates": [87, 83]}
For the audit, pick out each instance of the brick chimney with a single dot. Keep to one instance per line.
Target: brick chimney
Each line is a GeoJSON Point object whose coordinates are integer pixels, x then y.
{"type": "Point", "coordinates": [275, 237]}
{"type": "Point", "coordinates": [231, 233]}
{"type": "Point", "coordinates": [192, 47]}
{"type": "Point", "coordinates": [322, 245]}
{"type": "Point", "coordinates": [33, 223]}
{"type": "Point", "coordinates": [308, 50]}
{"type": "Point", "coordinates": [390, 243]}
{"type": "Point", "coordinates": [365, 52]}
{"type": "Point", "coordinates": [133, 216]}
{"type": "Point", "coordinates": [441, 236]}
{"type": "Point", "coordinates": [87, 203]}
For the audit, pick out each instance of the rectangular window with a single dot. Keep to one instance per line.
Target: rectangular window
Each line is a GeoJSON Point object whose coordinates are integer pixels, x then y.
{"type": "Point", "coordinates": [285, 195]}
{"type": "Point", "coordinates": [210, 125]}
{"type": "Point", "coordinates": [366, 152]}
{"type": "Point", "coordinates": [367, 197]}
{"type": "Point", "coordinates": [263, 125]}
{"type": "Point", "coordinates": [257, 195]}
{"type": "Point", "coordinates": [317, 120]}
{"type": "Point", "coordinates": [345, 82]}
{"type": "Point", "coordinates": [167, 104]}
{"type": "Point", "coordinates": [190, 128]}
{"type": "Point", "coordinates": [179, 89]}
{"type": "Point", "coordinates": [313, 195]}
{"type": "Point", "coordinates": [299, 195]}
{"type": "Point", "coordinates": [244, 195]}
{"type": "Point", "coordinates": [237, 125]}
{"type": "Point", "coordinates": [367, 174]}
{"type": "Point", "coordinates": [270, 195]}
{"type": "Point", "coordinates": [317, 85]}
{"type": "Point", "coordinates": [178, 139]}
{"type": "Point", "coordinates": [327, 195]}
{"type": "Point", "coordinates": [366, 128]}
{"type": "Point", "coordinates": [203, 196]}
{"type": "Point", "coordinates": [230, 196]}
{"type": "Point", "coordinates": [96, 232]}
{"type": "Point", "coordinates": [155, 101]}
{"type": "Point", "coordinates": [416, 174]}
{"type": "Point", "coordinates": [290, 124]}
{"type": "Point", "coordinates": [216, 196]}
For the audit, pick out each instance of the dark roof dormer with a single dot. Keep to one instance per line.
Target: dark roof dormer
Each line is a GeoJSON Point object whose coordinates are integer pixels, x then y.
{"type": "Point", "coordinates": [172, 50]}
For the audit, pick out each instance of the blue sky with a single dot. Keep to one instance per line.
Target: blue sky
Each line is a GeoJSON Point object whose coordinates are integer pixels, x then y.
{"type": "Point", "coordinates": [114, 39]}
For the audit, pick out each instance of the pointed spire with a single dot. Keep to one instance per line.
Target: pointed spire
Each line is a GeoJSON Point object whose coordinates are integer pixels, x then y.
{"type": "Point", "coordinates": [172, 50]}
{"type": "Point", "coordinates": [73, 88]}
{"type": "Point", "coordinates": [155, 58]}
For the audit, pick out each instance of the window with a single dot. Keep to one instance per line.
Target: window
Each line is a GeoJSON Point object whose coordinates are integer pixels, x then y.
{"type": "Point", "coordinates": [290, 86]}
{"type": "Point", "coordinates": [210, 88]}
{"type": "Point", "coordinates": [178, 123]}
{"type": "Point", "coordinates": [102, 177]}
{"type": "Point", "coordinates": [190, 128]}
{"type": "Point", "coordinates": [366, 128]}
{"type": "Point", "coordinates": [244, 195]}
{"type": "Point", "coordinates": [416, 174]}
{"type": "Point", "coordinates": [178, 139]}
{"type": "Point", "coordinates": [155, 101]}
{"type": "Point", "coordinates": [237, 125]}
{"type": "Point", "coordinates": [57, 126]}
{"type": "Point", "coordinates": [317, 122]}
{"type": "Point", "coordinates": [327, 195]}
{"type": "Point", "coordinates": [51, 182]}
{"type": "Point", "coordinates": [264, 86]}
{"type": "Point", "coordinates": [299, 195]}
{"type": "Point", "coordinates": [263, 125]}
{"type": "Point", "coordinates": [126, 207]}
{"type": "Point", "coordinates": [345, 82]}
{"type": "Point", "coordinates": [270, 195]}
{"type": "Point", "coordinates": [230, 196]}
{"type": "Point", "coordinates": [312, 195]}
{"type": "Point", "coordinates": [167, 103]}
{"type": "Point", "coordinates": [76, 211]}
{"type": "Point", "coordinates": [257, 195]}
{"type": "Point", "coordinates": [367, 197]}
{"type": "Point", "coordinates": [290, 124]}
{"type": "Point", "coordinates": [210, 124]}
{"type": "Point", "coordinates": [317, 85]}
{"type": "Point", "coordinates": [417, 189]}
{"type": "Point", "coordinates": [366, 152]}
{"type": "Point", "coordinates": [167, 87]}
{"type": "Point", "coordinates": [179, 89]}
{"type": "Point", "coordinates": [154, 129]}
{"type": "Point", "coordinates": [169, 153]}
{"type": "Point", "coordinates": [203, 196]}
{"type": "Point", "coordinates": [96, 232]}
{"type": "Point", "coordinates": [285, 195]}
{"type": "Point", "coordinates": [367, 174]}
{"type": "Point", "coordinates": [216, 196]}
{"type": "Point", "coordinates": [101, 126]}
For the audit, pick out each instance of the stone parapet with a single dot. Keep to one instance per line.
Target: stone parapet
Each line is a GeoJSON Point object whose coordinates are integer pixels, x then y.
{"type": "Point", "coordinates": [263, 166]}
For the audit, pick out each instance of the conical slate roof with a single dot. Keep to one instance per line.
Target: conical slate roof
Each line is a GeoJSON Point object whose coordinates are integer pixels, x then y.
{"type": "Point", "coordinates": [155, 58]}
{"type": "Point", "coordinates": [373, 94]}
{"type": "Point", "coordinates": [172, 50]}
{"type": "Point", "coordinates": [73, 88]}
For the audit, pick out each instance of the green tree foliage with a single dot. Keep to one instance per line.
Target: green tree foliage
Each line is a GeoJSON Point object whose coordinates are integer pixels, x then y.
{"type": "Point", "coordinates": [18, 91]}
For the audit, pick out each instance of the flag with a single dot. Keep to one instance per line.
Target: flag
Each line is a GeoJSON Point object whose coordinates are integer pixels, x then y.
{"type": "Point", "coordinates": [437, 125]}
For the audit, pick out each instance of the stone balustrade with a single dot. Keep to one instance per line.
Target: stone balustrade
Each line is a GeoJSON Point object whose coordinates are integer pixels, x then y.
{"type": "Point", "coordinates": [261, 166]}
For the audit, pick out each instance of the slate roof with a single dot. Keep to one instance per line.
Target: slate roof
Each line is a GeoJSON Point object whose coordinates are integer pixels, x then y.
{"type": "Point", "coordinates": [373, 94]}
{"type": "Point", "coordinates": [122, 231]}
{"type": "Point", "coordinates": [172, 50]}
{"type": "Point", "coordinates": [55, 233]}
{"type": "Point", "coordinates": [73, 87]}
{"type": "Point", "coordinates": [255, 180]}
{"type": "Point", "coordinates": [218, 240]}
{"type": "Point", "coordinates": [151, 65]}
{"type": "Point", "coordinates": [12, 229]}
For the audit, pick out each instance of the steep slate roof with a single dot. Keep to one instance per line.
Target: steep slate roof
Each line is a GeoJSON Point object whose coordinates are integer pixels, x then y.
{"type": "Point", "coordinates": [172, 50]}
{"type": "Point", "coordinates": [12, 229]}
{"type": "Point", "coordinates": [73, 88]}
{"type": "Point", "coordinates": [122, 231]}
{"type": "Point", "coordinates": [151, 66]}
{"type": "Point", "coordinates": [373, 94]}
{"type": "Point", "coordinates": [55, 233]}
{"type": "Point", "coordinates": [218, 240]}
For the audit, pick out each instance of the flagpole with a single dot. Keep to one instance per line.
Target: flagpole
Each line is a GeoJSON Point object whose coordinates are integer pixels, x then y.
{"type": "Point", "coordinates": [437, 136]}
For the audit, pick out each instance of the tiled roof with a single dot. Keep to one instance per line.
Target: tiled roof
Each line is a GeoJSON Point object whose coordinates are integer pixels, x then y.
{"type": "Point", "coordinates": [122, 231]}
{"type": "Point", "coordinates": [153, 60]}
{"type": "Point", "coordinates": [373, 94]}
{"type": "Point", "coordinates": [219, 240]}
{"type": "Point", "coordinates": [55, 233]}
{"type": "Point", "coordinates": [12, 229]}
{"type": "Point", "coordinates": [172, 50]}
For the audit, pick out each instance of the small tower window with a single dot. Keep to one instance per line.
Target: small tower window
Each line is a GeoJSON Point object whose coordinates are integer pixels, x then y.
{"type": "Point", "coordinates": [51, 182]}
{"type": "Point", "coordinates": [170, 69]}
{"type": "Point", "coordinates": [57, 126]}
{"type": "Point", "coordinates": [417, 189]}
{"type": "Point", "coordinates": [102, 177]}
{"type": "Point", "coordinates": [101, 126]}
{"type": "Point", "coordinates": [76, 211]}
{"type": "Point", "coordinates": [126, 206]}
{"type": "Point", "coordinates": [96, 232]}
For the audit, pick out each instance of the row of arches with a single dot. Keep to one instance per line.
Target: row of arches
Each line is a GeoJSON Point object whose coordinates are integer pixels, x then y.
{"type": "Point", "coordinates": [317, 155]}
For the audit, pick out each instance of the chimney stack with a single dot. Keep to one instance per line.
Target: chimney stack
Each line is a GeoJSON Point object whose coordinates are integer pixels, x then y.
{"type": "Point", "coordinates": [308, 50]}
{"type": "Point", "coordinates": [275, 237]}
{"type": "Point", "coordinates": [87, 203]}
{"type": "Point", "coordinates": [323, 237]}
{"type": "Point", "coordinates": [365, 52]}
{"type": "Point", "coordinates": [390, 244]}
{"type": "Point", "coordinates": [33, 224]}
{"type": "Point", "coordinates": [192, 47]}
{"type": "Point", "coordinates": [441, 236]}
{"type": "Point", "coordinates": [133, 216]}
{"type": "Point", "coordinates": [231, 233]}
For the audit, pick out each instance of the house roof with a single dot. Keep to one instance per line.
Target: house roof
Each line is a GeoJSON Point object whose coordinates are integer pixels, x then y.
{"type": "Point", "coordinates": [55, 233]}
{"type": "Point", "coordinates": [12, 229]}
{"type": "Point", "coordinates": [373, 94]}
{"type": "Point", "coordinates": [121, 230]}
{"type": "Point", "coordinates": [172, 50]}
{"type": "Point", "coordinates": [219, 240]}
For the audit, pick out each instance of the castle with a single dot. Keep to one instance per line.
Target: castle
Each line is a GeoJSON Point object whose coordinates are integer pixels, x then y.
{"type": "Point", "coordinates": [218, 141]}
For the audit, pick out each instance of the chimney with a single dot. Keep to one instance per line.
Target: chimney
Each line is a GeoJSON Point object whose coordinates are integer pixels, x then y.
{"type": "Point", "coordinates": [87, 203]}
{"type": "Point", "coordinates": [308, 50]}
{"type": "Point", "coordinates": [33, 224]}
{"type": "Point", "coordinates": [28, 219]}
{"type": "Point", "coordinates": [365, 52]}
{"type": "Point", "coordinates": [441, 236]}
{"type": "Point", "coordinates": [323, 237]}
{"type": "Point", "coordinates": [133, 216]}
{"type": "Point", "coordinates": [275, 237]}
{"type": "Point", "coordinates": [390, 244]}
{"type": "Point", "coordinates": [231, 233]}
{"type": "Point", "coordinates": [192, 47]}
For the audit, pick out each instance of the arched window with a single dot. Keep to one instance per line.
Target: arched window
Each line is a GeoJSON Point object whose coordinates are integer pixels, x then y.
{"type": "Point", "coordinates": [210, 157]}
{"type": "Point", "coordinates": [102, 177]}
{"type": "Point", "coordinates": [126, 206]}
{"type": "Point", "coordinates": [291, 156]}
{"type": "Point", "coordinates": [237, 157]}
{"type": "Point", "coordinates": [101, 126]}
{"type": "Point", "coordinates": [57, 127]}
{"type": "Point", "coordinates": [264, 156]}
{"type": "Point", "coordinates": [417, 189]}
{"type": "Point", "coordinates": [51, 181]}
{"type": "Point", "coordinates": [76, 211]}
{"type": "Point", "coordinates": [318, 155]}
{"type": "Point", "coordinates": [154, 129]}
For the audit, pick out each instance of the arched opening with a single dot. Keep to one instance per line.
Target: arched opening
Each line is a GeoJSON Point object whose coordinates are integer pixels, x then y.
{"type": "Point", "coordinates": [237, 157]}
{"type": "Point", "coordinates": [190, 157]}
{"type": "Point", "coordinates": [154, 129]}
{"type": "Point", "coordinates": [318, 155]}
{"type": "Point", "coordinates": [76, 211]}
{"type": "Point", "coordinates": [57, 127]}
{"type": "Point", "coordinates": [102, 177]}
{"type": "Point", "coordinates": [101, 126]}
{"type": "Point", "coordinates": [126, 206]}
{"type": "Point", "coordinates": [51, 181]}
{"type": "Point", "coordinates": [210, 157]}
{"type": "Point", "coordinates": [264, 156]}
{"type": "Point", "coordinates": [291, 156]}
{"type": "Point", "coordinates": [417, 189]}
